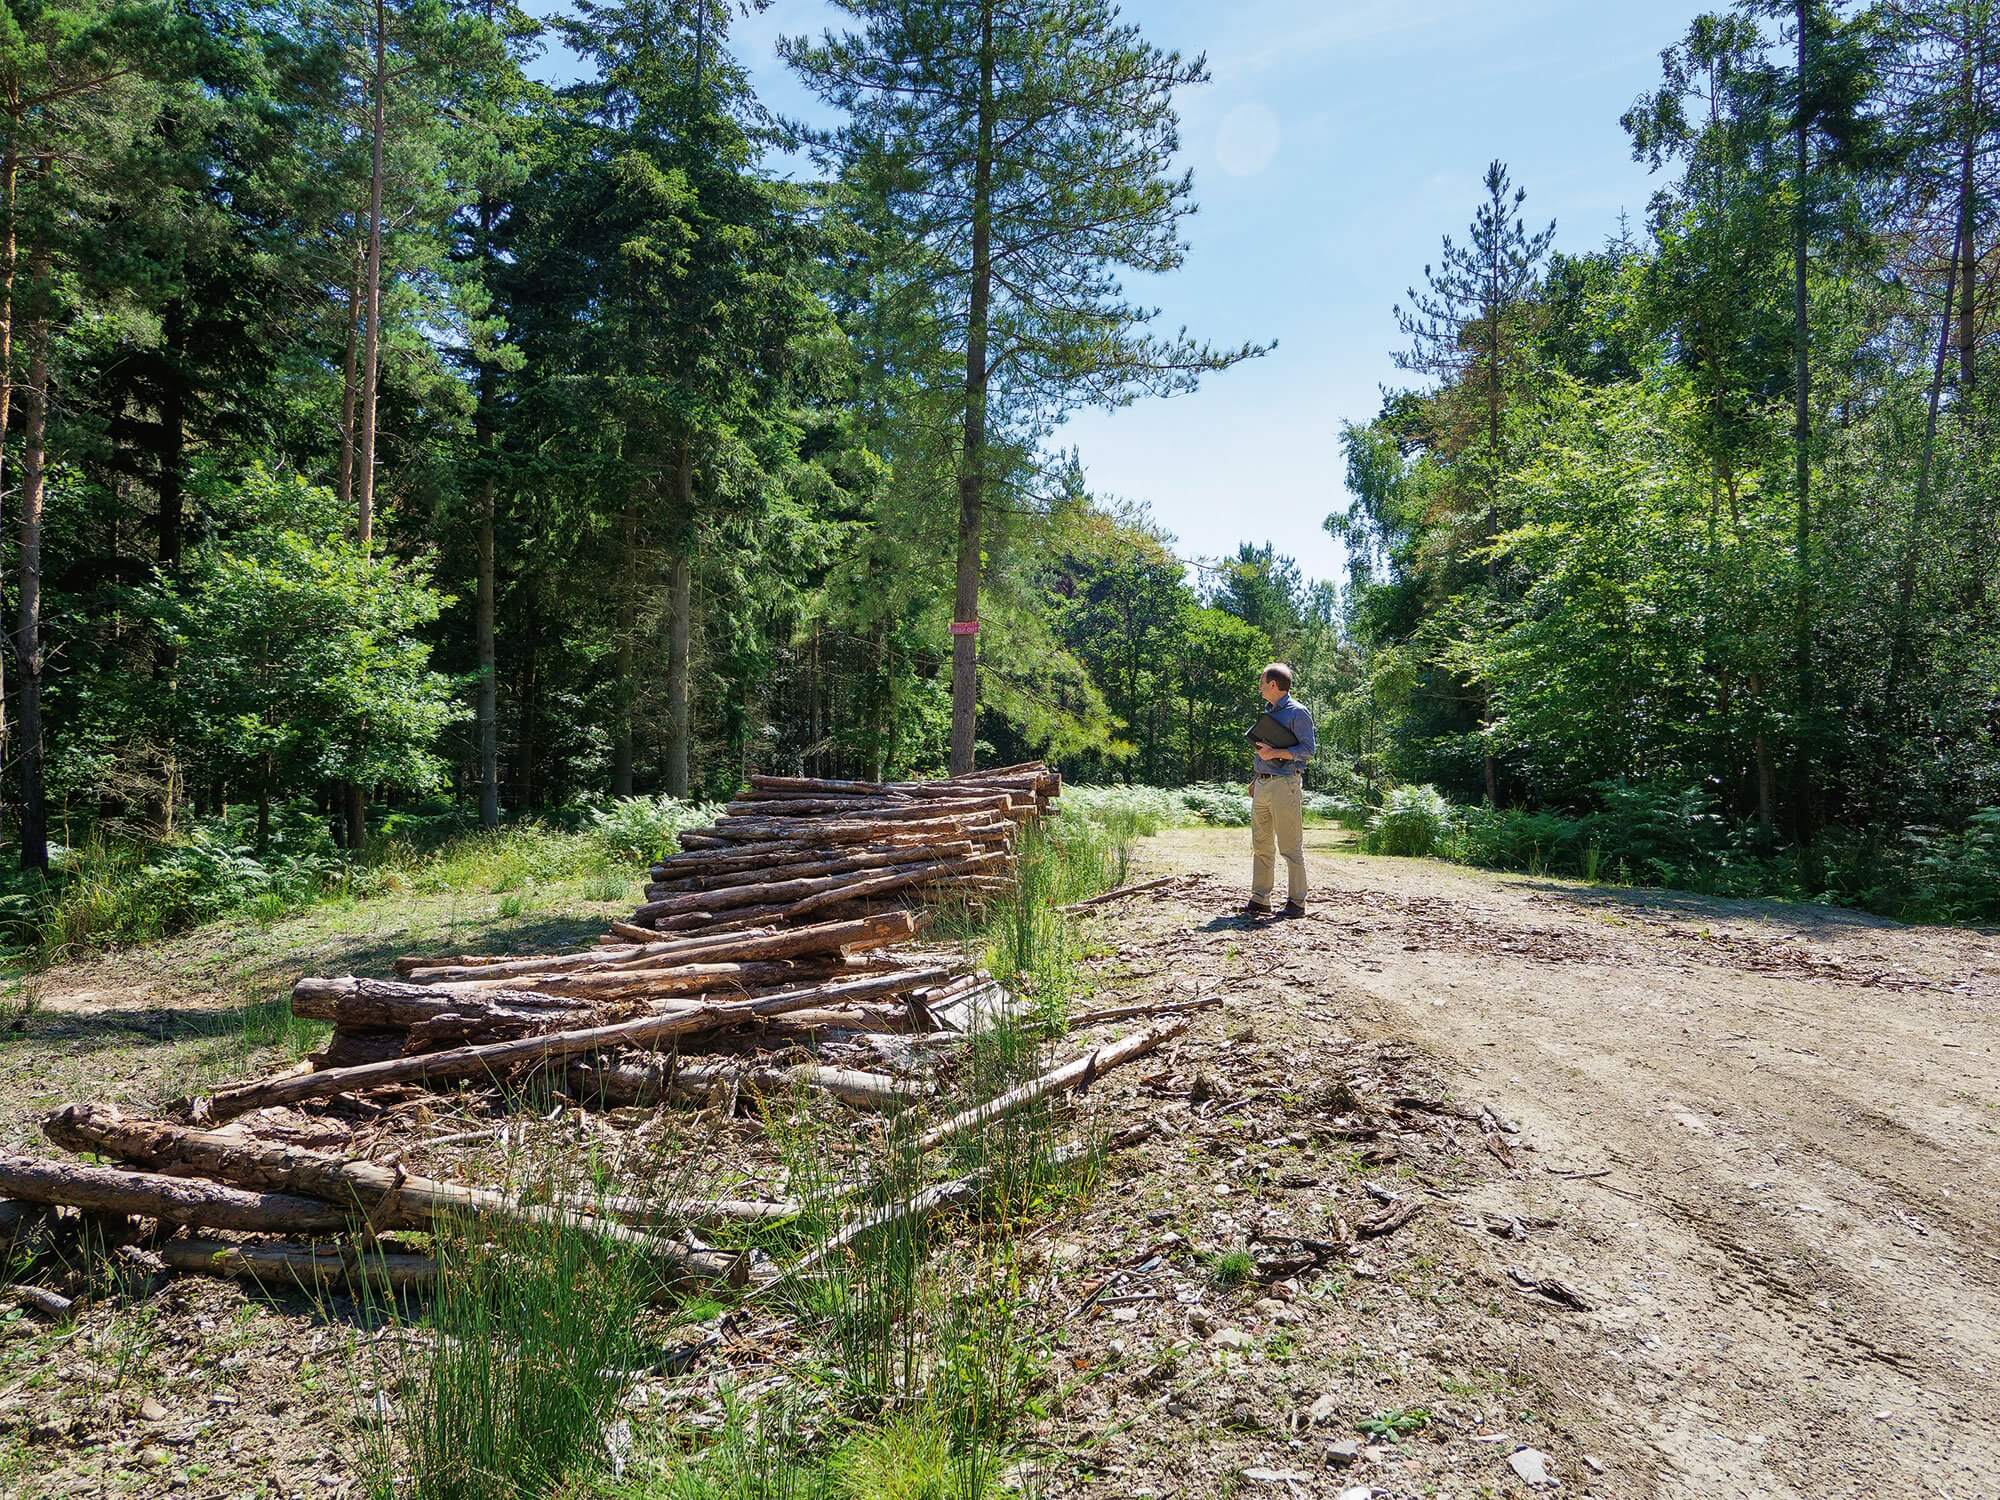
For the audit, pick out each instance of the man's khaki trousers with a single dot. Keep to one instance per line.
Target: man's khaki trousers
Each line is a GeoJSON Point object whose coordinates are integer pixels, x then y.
{"type": "Point", "coordinates": [1277, 818]}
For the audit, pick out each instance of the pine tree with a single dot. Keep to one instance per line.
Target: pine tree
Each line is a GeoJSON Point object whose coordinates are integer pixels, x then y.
{"type": "Point", "coordinates": [1030, 149]}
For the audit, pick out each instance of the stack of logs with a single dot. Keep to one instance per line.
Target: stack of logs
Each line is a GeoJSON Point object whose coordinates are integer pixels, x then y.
{"type": "Point", "coordinates": [764, 947]}
{"type": "Point", "coordinates": [797, 849]}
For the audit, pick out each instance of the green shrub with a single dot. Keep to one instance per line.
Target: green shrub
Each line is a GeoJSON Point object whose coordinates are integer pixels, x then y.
{"type": "Point", "coordinates": [1650, 834]}
{"type": "Point", "coordinates": [643, 829]}
{"type": "Point", "coordinates": [1130, 811]}
{"type": "Point", "coordinates": [1223, 804]}
{"type": "Point", "coordinates": [1506, 838]}
{"type": "Point", "coordinates": [507, 1385]}
{"type": "Point", "coordinates": [1956, 877]}
{"type": "Point", "coordinates": [1415, 820]}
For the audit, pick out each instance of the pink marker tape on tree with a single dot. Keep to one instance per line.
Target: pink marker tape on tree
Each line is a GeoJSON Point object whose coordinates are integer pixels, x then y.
{"type": "Point", "coordinates": [965, 627]}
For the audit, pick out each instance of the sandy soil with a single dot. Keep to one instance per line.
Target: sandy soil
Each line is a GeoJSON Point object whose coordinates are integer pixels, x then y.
{"type": "Point", "coordinates": [1765, 1137]}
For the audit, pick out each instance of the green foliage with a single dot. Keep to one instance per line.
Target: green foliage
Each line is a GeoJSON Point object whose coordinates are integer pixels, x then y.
{"type": "Point", "coordinates": [1956, 876]}
{"type": "Point", "coordinates": [300, 657]}
{"type": "Point", "coordinates": [1231, 1268]}
{"type": "Point", "coordinates": [1218, 803]}
{"type": "Point", "coordinates": [1413, 820]}
{"type": "Point", "coordinates": [639, 830]}
{"type": "Point", "coordinates": [516, 1367]}
{"type": "Point", "coordinates": [907, 1458]}
{"type": "Point", "coordinates": [1397, 1423]}
{"type": "Point", "coordinates": [1129, 812]}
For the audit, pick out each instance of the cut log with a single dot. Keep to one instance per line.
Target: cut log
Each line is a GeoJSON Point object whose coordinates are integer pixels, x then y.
{"type": "Point", "coordinates": [497, 1058]}
{"type": "Point", "coordinates": [808, 892]}
{"type": "Point", "coordinates": [866, 857]}
{"type": "Point", "coordinates": [805, 1024]}
{"type": "Point", "coordinates": [854, 830]}
{"type": "Point", "coordinates": [668, 979]}
{"type": "Point", "coordinates": [878, 931]}
{"type": "Point", "coordinates": [308, 1267]}
{"type": "Point", "coordinates": [176, 1200]}
{"type": "Point", "coordinates": [52, 1305]}
{"type": "Point", "coordinates": [359, 1004]}
{"type": "Point", "coordinates": [669, 1078]}
{"type": "Point", "coordinates": [385, 1197]}
{"type": "Point", "coordinates": [1071, 1075]}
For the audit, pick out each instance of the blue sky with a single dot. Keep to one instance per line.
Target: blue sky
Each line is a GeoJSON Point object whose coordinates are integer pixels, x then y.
{"type": "Point", "coordinates": [1336, 143]}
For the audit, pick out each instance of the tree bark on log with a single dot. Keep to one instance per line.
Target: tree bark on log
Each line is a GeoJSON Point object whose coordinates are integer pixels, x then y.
{"type": "Point", "coordinates": [878, 931]}
{"type": "Point", "coordinates": [811, 892]}
{"type": "Point", "coordinates": [839, 864]}
{"type": "Point", "coordinates": [386, 1197]}
{"type": "Point", "coordinates": [176, 1200]}
{"type": "Point", "coordinates": [495, 1058]}
{"type": "Point", "coordinates": [1071, 1075]}
{"type": "Point", "coordinates": [358, 1004]}
{"type": "Point", "coordinates": [672, 1080]}
{"type": "Point", "coordinates": [309, 1267]}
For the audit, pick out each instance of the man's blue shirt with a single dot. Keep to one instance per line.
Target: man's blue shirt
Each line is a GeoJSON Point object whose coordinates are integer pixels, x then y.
{"type": "Point", "coordinates": [1294, 715]}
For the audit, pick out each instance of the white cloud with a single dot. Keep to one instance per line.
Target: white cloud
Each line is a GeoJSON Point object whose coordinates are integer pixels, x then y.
{"type": "Point", "coordinates": [1246, 140]}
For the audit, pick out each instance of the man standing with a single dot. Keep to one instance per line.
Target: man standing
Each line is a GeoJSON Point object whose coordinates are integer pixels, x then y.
{"type": "Point", "coordinates": [1277, 798]}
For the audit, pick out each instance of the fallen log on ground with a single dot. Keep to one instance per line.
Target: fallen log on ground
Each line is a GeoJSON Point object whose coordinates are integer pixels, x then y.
{"type": "Point", "coordinates": [868, 858]}
{"type": "Point", "coordinates": [174, 1200]}
{"type": "Point", "coordinates": [819, 890]}
{"type": "Point", "coordinates": [670, 1078]}
{"type": "Point", "coordinates": [307, 1267]}
{"type": "Point", "coordinates": [1071, 1075]}
{"type": "Point", "coordinates": [395, 1004]}
{"type": "Point", "coordinates": [384, 1197]}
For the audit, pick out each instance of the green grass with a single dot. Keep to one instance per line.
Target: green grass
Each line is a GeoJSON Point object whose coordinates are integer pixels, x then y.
{"type": "Point", "coordinates": [505, 1384]}
{"type": "Point", "coordinates": [1231, 1269]}
{"type": "Point", "coordinates": [121, 892]}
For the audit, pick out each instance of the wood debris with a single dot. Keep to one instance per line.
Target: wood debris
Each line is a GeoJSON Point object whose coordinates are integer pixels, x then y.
{"type": "Point", "coordinates": [774, 956]}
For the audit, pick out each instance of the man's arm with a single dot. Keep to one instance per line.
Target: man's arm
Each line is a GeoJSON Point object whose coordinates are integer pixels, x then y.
{"type": "Point", "coordinates": [1302, 726]}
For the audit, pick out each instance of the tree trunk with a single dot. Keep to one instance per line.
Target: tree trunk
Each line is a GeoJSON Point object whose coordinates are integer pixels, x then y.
{"type": "Point", "coordinates": [28, 632]}
{"type": "Point", "coordinates": [1802, 439]}
{"type": "Point", "coordinates": [1906, 567]}
{"type": "Point", "coordinates": [489, 679]}
{"type": "Point", "coordinates": [350, 378]}
{"type": "Point", "coordinates": [307, 1267]}
{"type": "Point", "coordinates": [485, 1061]}
{"type": "Point", "coordinates": [972, 460]}
{"type": "Point", "coordinates": [628, 690]}
{"type": "Point", "coordinates": [371, 352]}
{"type": "Point", "coordinates": [680, 607]}
{"type": "Point", "coordinates": [171, 479]}
{"type": "Point", "coordinates": [177, 1200]}
{"type": "Point", "coordinates": [387, 1196]}
{"type": "Point", "coordinates": [1968, 219]}
{"type": "Point", "coordinates": [486, 443]}
{"type": "Point", "coordinates": [10, 170]}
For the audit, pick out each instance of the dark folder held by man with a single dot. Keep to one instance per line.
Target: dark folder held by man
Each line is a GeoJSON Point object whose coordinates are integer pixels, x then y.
{"type": "Point", "coordinates": [1268, 731]}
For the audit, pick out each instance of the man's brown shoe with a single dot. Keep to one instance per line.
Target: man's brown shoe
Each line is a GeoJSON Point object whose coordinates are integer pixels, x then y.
{"type": "Point", "coordinates": [1255, 912]}
{"type": "Point", "coordinates": [1294, 909]}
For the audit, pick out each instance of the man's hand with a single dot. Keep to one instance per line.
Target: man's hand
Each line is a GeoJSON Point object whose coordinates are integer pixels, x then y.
{"type": "Point", "coordinates": [1266, 752]}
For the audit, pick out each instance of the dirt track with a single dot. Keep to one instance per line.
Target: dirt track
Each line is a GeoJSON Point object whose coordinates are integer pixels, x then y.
{"type": "Point", "coordinates": [1781, 1129]}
